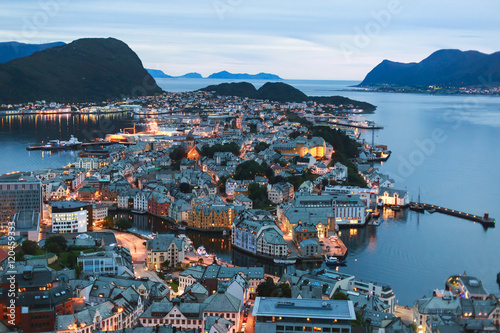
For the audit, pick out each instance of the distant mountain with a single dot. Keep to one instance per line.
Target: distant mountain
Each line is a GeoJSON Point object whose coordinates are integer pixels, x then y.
{"type": "Point", "coordinates": [90, 69]}
{"type": "Point", "coordinates": [193, 75]}
{"type": "Point", "coordinates": [452, 68]}
{"type": "Point", "coordinates": [244, 76]}
{"type": "Point", "coordinates": [280, 92]}
{"type": "Point", "coordinates": [161, 75]}
{"type": "Point", "coordinates": [158, 73]}
{"type": "Point", "coordinates": [14, 50]}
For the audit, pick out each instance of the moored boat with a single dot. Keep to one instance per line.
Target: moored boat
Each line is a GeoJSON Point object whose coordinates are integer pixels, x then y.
{"type": "Point", "coordinates": [334, 261]}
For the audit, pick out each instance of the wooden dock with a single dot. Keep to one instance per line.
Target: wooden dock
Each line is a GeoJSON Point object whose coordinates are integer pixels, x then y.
{"type": "Point", "coordinates": [485, 220]}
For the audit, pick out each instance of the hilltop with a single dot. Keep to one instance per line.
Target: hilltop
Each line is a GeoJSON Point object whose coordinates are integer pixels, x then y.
{"type": "Point", "coordinates": [90, 69]}
{"type": "Point", "coordinates": [446, 68]}
{"type": "Point", "coordinates": [281, 92]}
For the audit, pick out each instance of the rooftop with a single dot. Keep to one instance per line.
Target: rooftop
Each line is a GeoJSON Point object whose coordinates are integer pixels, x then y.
{"type": "Point", "coordinates": [304, 308]}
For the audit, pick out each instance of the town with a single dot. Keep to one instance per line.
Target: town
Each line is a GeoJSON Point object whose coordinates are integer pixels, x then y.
{"type": "Point", "coordinates": [279, 180]}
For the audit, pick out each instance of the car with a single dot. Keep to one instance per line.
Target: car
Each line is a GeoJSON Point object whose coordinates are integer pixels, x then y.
{"type": "Point", "coordinates": [245, 319]}
{"type": "Point", "coordinates": [246, 313]}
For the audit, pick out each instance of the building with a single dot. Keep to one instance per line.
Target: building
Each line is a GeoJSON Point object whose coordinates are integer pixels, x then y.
{"type": "Point", "coordinates": [316, 146]}
{"type": "Point", "coordinates": [426, 307]}
{"type": "Point", "coordinates": [211, 217]}
{"type": "Point", "coordinates": [303, 231]}
{"type": "Point", "coordinates": [391, 197]}
{"type": "Point", "coordinates": [27, 224]}
{"type": "Point", "coordinates": [99, 213]}
{"type": "Point", "coordinates": [105, 262]}
{"type": "Point", "coordinates": [350, 211]}
{"type": "Point", "coordinates": [70, 216]}
{"type": "Point", "coordinates": [280, 192]}
{"type": "Point", "coordinates": [164, 248]}
{"type": "Point", "coordinates": [254, 275]}
{"type": "Point", "coordinates": [18, 192]}
{"type": "Point", "coordinates": [309, 248]}
{"type": "Point", "coordinates": [40, 298]}
{"type": "Point", "coordinates": [158, 204]}
{"type": "Point", "coordinates": [273, 315]}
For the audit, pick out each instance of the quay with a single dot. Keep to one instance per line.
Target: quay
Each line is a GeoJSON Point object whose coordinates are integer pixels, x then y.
{"type": "Point", "coordinates": [485, 220]}
{"type": "Point", "coordinates": [79, 146]}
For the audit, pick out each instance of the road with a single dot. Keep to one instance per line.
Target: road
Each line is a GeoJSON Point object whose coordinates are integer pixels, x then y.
{"type": "Point", "coordinates": [405, 313]}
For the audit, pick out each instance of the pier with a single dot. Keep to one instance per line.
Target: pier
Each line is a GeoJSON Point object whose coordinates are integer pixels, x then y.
{"type": "Point", "coordinates": [485, 220]}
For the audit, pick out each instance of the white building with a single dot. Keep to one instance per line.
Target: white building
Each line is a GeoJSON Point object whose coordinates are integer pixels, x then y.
{"type": "Point", "coordinates": [349, 210]}
{"type": "Point", "coordinates": [99, 213]}
{"type": "Point", "coordinates": [68, 216]}
{"type": "Point", "coordinates": [392, 197]}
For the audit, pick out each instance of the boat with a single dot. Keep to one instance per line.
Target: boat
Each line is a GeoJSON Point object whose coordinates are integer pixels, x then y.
{"type": "Point", "coordinates": [376, 213]}
{"type": "Point", "coordinates": [334, 261]}
{"type": "Point", "coordinates": [396, 208]}
{"type": "Point", "coordinates": [285, 261]}
{"type": "Point", "coordinates": [138, 211]}
{"type": "Point", "coordinates": [417, 206]}
{"type": "Point", "coordinates": [202, 251]}
{"type": "Point", "coordinates": [181, 227]}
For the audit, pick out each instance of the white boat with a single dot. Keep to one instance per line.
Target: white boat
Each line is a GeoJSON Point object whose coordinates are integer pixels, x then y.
{"type": "Point", "coordinates": [202, 251]}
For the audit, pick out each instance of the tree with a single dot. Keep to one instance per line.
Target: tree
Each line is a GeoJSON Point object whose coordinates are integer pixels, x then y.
{"type": "Point", "coordinates": [178, 154]}
{"type": "Point", "coordinates": [60, 241]}
{"type": "Point", "coordinates": [53, 248]}
{"type": "Point", "coordinates": [185, 187]}
{"type": "Point", "coordinates": [248, 170]}
{"type": "Point", "coordinates": [109, 222]}
{"type": "Point", "coordinates": [72, 259]}
{"type": "Point", "coordinates": [294, 134]}
{"type": "Point", "coordinates": [124, 224]}
{"type": "Point", "coordinates": [253, 128]}
{"type": "Point", "coordinates": [340, 296]}
{"type": "Point", "coordinates": [165, 264]}
{"type": "Point", "coordinates": [29, 247]}
{"type": "Point", "coordinates": [222, 184]}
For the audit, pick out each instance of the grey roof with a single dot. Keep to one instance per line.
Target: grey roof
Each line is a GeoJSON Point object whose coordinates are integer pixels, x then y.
{"type": "Point", "coordinates": [163, 241]}
{"type": "Point", "coordinates": [307, 242]}
{"type": "Point", "coordinates": [222, 302]}
{"type": "Point", "coordinates": [304, 308]}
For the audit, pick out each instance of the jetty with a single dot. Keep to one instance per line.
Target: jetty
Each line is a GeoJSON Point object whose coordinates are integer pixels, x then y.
{"type": "Point", "coordinates": [485, 220]}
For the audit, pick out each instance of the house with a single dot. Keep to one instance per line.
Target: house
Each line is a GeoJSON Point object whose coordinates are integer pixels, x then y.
{"type": "Point", "coordinates": [242, 199]}
{"type": "Point", "coordinates": [319, 168]}
{"type": "Point", "coordinates": [280, 192]}
{"type": "Point", "coordinates": [106, 262]}
{"type": "Point", "coordinates": [158, 204]}
{"type": "Point", "coordinates": [392, 197]}
{"type": "Point", "coordinates": [309, 248]}
{"type": "Point", "coordinates": [164, 248]}
{"type": "Point", "coordinates": [302, 231]}
{"type": "Point", "coordinates": [211, 217]}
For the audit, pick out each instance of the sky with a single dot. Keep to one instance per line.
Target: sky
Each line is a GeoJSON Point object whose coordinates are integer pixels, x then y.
{"type": "Point", "coordinates": [321, 40]}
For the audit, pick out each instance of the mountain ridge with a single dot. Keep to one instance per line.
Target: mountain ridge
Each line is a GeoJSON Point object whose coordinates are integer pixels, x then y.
{"type": "Point", "coordinates": [219, 75]}
{"type": "Point", "coordinates": [446, 67]}
{"type": "Point", "coordinates": [13, 50]}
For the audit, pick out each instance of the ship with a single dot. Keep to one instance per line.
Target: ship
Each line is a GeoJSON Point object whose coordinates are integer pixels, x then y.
{"type": "Point", "coordinates": [284, 261]}
{"type": "Point", "coordinates": [71, 144]}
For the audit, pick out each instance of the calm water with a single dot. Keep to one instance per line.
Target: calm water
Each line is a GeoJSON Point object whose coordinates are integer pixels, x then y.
{"type": "Point", "coordinates": [446, 146]}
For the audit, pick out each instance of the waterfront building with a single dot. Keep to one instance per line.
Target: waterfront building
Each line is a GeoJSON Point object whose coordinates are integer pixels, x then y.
{"type": "Point", "coordinates": [70, 216]}
{"type": "Point", "coordinates": [211, 217]}
{"type": "Point", "coordinates": [164, 248]}
{"type": "Point", "coordinates": [99, 213]}
{"type": "Point", "coordinates": [19, 191]}
{"type": "Point", "coordinates": [276, 315]}
{"type": "Point", "coordinates": [158, 204]}
{"type": "Point", "coordinates": [392, 197]}
{"type": "Point", "coordinates": [259, 237]}
{"type": "Point", "coordinates": [428, 306]}
{"type": "Point", "coordinates": [309, 248]}
{"type": "Point", "coordinates": [350, 210]}
{"type": "Point", "coordinates": [303, 231]}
